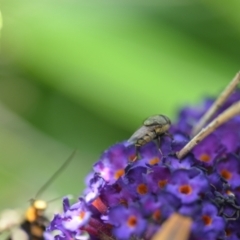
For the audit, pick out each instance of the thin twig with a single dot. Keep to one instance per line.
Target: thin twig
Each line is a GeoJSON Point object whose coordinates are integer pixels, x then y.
{"type": "Point", "coordinates": [211, 127]}
{"type": "Point", "coordinates": [216, 105]}
{"type": "Point", "coordinates": [177, 227]}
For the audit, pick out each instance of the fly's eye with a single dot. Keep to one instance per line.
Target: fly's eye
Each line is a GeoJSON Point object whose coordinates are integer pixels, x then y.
{"type": "Point", "coordinates": [165, 119]}
{"type": "Point", "coordinates": [150, 122]}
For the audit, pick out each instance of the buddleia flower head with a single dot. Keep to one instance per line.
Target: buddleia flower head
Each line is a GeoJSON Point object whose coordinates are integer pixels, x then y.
{"type": "Point", "coordinates": [127, 198]}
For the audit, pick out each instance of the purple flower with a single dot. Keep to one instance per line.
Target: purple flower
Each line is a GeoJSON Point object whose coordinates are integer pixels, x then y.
{"type": "Point", "coordinates": [130, 198]}
{"type": "Point", "coordinates": [229, 169]}
{"type": "Point", "coordinates": [158, 178]}
{"type": "Point", "coordinates": [188, 185]}
{"type": "Point", "coordinates": [150, 156]}
{"type": "Point", "coordinates": [208, 223]}
{"type": "Point", "coordinates": [186, 163]}
{"type": "Point", "coordinates": [96, 183]}
{"type": "Point", "coordinates": [232, 230]}
{"type": "Point", "coordinates": [230, 139]}
{"type": "Point", "coordinates": [117, 194]}
{"type": "Point", "coordinates": [190, 210]}
{"type": "Point", "coordinates": [136, 181]}
{"type": "Point", "coordinates": [57, 224]}
{"type": "Point", "coordinates": [66, 204]}
{"type": "Point", "coordinates": [76, 216]}
{"type": "Point", "coordinates": [113, 162]}
{"type": "Point", "coordinates": [159, 207]}
{"type": "Point", "coordinates": [126, 222]}
{"type": "Point", "coordinates": [208, 150]}
{"type": "Point", "coordinates": [189, 116]}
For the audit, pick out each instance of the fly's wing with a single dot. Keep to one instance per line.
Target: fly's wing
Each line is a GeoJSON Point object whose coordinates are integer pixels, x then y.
{"type": "Point", "coordinates": [140, 133]}
{"type": "Point", "coordinates": [10, 218]}
{"type": "Point", "coordinates": [18, 234]}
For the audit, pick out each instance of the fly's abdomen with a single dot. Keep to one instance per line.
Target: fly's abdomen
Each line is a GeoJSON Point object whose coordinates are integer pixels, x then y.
{"type": "Point", "coordinates": [146, 138]}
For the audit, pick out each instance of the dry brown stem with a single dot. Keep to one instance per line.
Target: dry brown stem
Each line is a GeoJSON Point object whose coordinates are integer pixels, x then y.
{"type": "Point", "coordinates": [177, 227]}
{"type": "Point", "coordinates": [211, 127]}
{"type": "Point", "coordinates": [217, 104]}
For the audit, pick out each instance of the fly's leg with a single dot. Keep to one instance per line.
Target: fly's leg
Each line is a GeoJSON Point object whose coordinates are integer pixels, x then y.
{"type": "Point", "coordinates": [137, 153]}
{"type": "Point", "coordinates": [168, 134]}
{"type": "Point", "coordinates": [158, 144]}
{"type": "Point", "coordinates": [138, 156]}
{"type": "Point", "coordinates": [157, 139]}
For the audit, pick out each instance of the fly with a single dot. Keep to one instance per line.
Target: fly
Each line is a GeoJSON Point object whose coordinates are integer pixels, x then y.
{"type": "Point", "coordinates": [153, 128]}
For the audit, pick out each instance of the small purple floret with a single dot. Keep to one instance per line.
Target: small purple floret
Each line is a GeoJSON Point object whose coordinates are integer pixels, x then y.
{"type": "Point", "coordinates": [127, 222]}
{"type": "Point", "coordinates": [188, 185]}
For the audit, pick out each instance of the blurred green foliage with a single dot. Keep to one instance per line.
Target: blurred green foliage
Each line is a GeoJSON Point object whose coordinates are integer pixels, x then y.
{"type": "Point", "coordinates": [84, 74]}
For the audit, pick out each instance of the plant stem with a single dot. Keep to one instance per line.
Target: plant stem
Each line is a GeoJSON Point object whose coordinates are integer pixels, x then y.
{"type": "Point", "coordinates": [176, 227]}
{"type": "Point", "coordinates": [211, 127]}
{"type": "Point", "coordinates": [217, 104]}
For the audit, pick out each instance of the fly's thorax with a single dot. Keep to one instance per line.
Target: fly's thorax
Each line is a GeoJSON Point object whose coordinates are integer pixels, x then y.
{"type": "Point", "coordinates": [161, 129]}
{"type": "Point", "coordinates": [157, 120]}
{"type": "Point", "coordinates": [36, 209]}
{"type": "Point", "coordinates": [31, 214]}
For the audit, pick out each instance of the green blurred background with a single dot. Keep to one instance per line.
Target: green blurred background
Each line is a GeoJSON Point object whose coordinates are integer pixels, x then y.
{"type": "Point", "coordinates": [84, 74]}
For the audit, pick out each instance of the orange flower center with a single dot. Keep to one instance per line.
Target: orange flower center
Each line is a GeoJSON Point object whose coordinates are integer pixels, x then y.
{"type": "Point", "coordinates": [81, 215]}
{"type": "Point", "coordinates": [162, 183]}
{"type": "Point", "coordinates": [154, 161]}
{"type": "Point", "coordinates": [132, 221]}
{"type": "Point", "coordinates": [156, 215]}
{"type": "Point", "coordinates": [207, 220]}
{"type": "Point", "coordinates": [119, 173]}
{"type": "Point", "coordinates": [123, 202]}
{"type": "Point", "coordinates": [142, 189]}
{"type": "Point", "coordinates": [133, 158]}
{"type": "Point", "coordinates": [205, 157]}
{"type": "Point", "coordinates": [185, 189]}
{"type": "Point", "coordinates": [228, 232]}
{"type": "Point", "coordinates": [226, 174]}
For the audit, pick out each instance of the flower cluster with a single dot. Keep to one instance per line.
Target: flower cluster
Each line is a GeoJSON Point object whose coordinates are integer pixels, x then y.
{"type": "Point", "coordinates": [127, 198]}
